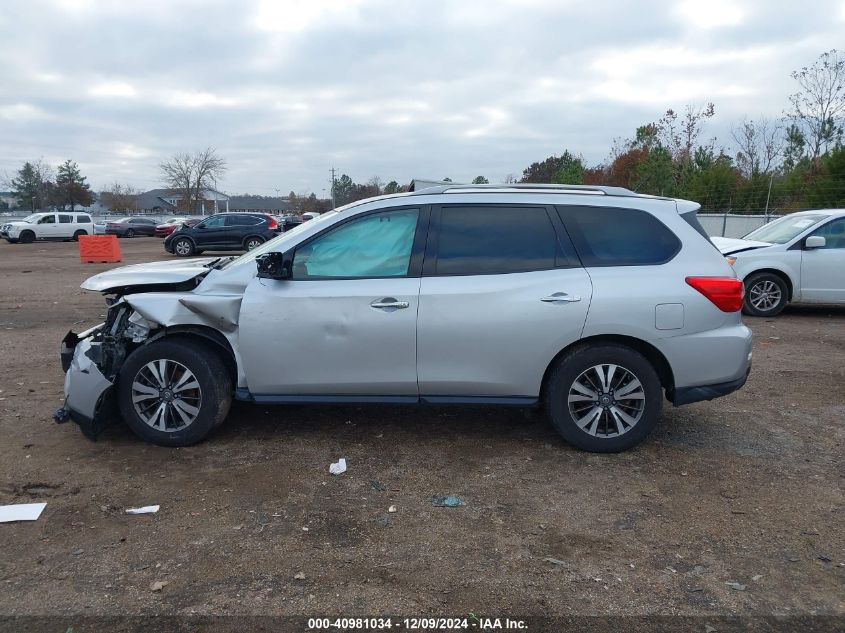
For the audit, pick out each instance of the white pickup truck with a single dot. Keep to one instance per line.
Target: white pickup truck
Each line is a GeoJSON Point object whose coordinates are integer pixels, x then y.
{"type": "Point", "coordinates": [48, 226]}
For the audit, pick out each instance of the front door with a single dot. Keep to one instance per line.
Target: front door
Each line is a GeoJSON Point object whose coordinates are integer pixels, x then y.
{"type": "Point", "coordinates": [822, 276]}
{"type": "Point", "coordinates": [210, 232]}
{"type": "Point", "coordinates": [502, 293]}
{"type": "Point", "coordinates": [48, 229]}
{"type": "Point", "coordinates": [345, 323]}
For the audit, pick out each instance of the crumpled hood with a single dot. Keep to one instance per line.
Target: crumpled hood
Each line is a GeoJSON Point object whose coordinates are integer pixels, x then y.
{"type": "Point", "coordinates": [728, 245]}
{"type": "Point", "coordinates": [150, 274]}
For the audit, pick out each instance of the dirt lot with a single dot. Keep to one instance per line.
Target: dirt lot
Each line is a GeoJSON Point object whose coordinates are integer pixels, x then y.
{"type": "Point", "coordinates": [747, 489]}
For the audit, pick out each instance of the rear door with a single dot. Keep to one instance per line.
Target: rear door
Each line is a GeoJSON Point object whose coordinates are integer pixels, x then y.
{"type": "Point", "coordinates": [66, 225]}
{"type": "Point", "coordinates": [822, 276]}
{"type": "Point", "coordinates": [502, 293]}
{"type": "Point", "coordinates": [238, 226]}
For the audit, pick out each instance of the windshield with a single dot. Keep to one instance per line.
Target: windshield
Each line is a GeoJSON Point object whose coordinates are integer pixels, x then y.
{"type": "Point", "coordinates": [31, 218]}
{"type": "Point", "coordinates": [784, 229]}
{"type": "Point", "coordinates": [279, 243]}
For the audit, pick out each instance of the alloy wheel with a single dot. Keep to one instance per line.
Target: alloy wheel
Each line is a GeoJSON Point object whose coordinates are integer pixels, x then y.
{"type": "Point", "coordinates": [183, 247]}
{"type": "Point", "coordinates": [166, 395]}
{"type": "Point", "coordinates": [253, 243]}
{"type": "Point", "coordinates": [606, 400]}
{"type": "Point", "coordinates": [764, 295]}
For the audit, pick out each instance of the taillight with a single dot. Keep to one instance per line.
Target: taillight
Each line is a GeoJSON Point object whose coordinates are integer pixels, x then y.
{"type": "Point", "coordinates": [271, 223]}
{"type": "Point", "coordinates": [726, 293]}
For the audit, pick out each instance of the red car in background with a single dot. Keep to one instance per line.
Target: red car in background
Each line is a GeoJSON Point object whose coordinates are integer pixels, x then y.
{"type": "Point", "coordinates": [163, 230]}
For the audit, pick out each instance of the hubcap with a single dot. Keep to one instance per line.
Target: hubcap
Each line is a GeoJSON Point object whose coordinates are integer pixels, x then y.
{"type": "Point", "coordinates": [606, 400]}
{"type": "Point", "coordinates": [182, 247]}
{"type": "Point", "coordinates": [252, 244]}
{"type": "Point", "coordinates": [166, 395]}
{"type": "Point", "coordinates": [764, 295]}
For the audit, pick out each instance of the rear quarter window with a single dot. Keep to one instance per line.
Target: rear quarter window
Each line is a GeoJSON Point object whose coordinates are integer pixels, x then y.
{"type": "Point", "coordinates": [83, 219]}
{"type": "Point", "coordinates": [610, 236]}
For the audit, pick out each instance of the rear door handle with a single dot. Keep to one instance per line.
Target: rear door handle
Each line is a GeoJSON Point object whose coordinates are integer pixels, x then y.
{"type": "Point", "coordinates": [561, 297]}
{"type": "Point", "coordinates": [389, 302]}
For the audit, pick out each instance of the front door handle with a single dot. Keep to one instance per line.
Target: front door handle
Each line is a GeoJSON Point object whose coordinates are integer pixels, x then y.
{"type": "Point", "coordinates": [561, 297]}
{"type": "Point", "coordinates": [389, 302]}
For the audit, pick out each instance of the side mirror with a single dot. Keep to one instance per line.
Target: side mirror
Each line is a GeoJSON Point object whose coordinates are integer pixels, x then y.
{"type": "Point", "coordinates": [273, 266]}
{"type": "Point", "coordinates": [814, 241]}
{"type": "Point", "coordinates": [199, 226]}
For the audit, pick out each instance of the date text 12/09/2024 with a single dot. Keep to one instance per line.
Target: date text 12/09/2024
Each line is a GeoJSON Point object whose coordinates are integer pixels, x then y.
{"type": "Point", "coordinates": [414, 624]}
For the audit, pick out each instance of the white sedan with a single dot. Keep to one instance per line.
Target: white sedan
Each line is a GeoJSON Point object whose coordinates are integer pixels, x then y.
{"type": "Point", "coordinates": [799, 258]}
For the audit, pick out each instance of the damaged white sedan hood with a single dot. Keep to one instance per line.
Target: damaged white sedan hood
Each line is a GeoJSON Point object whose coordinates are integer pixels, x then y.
{"type": "Point", "coordinates": [153, 273]}
{"type": "Point", "coordinates": [728, 245]}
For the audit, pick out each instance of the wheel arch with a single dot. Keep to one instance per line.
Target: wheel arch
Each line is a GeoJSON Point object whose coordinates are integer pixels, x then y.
{"type": "Point", "coordinates": [778, 273]}
{"type": "Point", "coordinates": [651, 353]}
{"type": "Point", "coordinates": [203, 334]}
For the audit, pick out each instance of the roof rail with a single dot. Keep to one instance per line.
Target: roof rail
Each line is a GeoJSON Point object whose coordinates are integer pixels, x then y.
{"type": "Point", "coordinates": [599, 190]}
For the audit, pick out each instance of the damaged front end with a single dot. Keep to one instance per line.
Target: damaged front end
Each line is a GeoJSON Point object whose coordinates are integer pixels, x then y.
{"type": "Point", "coordinates": [92, 361]}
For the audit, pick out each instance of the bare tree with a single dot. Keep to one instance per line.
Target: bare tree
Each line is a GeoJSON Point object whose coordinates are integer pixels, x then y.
{"type": "Point", "coordinates": [818, 108]}
{"type": "Point", "coordinates": [761, 145]}
{"type": "Point", "coordinates": [120, 198]}
{"type": "Point", "coordinates": [681, 137]}
{"type": "Point", "coordinates": [189, 175]}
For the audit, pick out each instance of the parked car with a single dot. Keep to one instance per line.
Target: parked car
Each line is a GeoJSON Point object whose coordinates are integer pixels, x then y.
{"type": "Point", "coordinates": [310, 215]}
{"type": "Point", "coordinates": [130, 227]}
{"type": "Point", "coordinates": [168, 226]}
{"type": "Point", "coordinates": [799, 258]}
{"type": "Point", "coordinates": [62, 226]}
{"type": "Point", "coordinates": [289, 221]}
{"type": "Point", "coordinates": [595, 303]}
{"type": "Point", "coordinates": [223, 232]}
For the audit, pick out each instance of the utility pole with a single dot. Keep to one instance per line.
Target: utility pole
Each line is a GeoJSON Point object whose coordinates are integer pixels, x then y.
{"type": "Point", "coordinates": [333, 172]}
{"type": "Point", "coordinates": [768, 195]}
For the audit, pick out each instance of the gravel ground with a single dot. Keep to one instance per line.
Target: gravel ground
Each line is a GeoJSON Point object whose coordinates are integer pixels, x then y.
{"type": "Point", "coordinates": [734, 506]}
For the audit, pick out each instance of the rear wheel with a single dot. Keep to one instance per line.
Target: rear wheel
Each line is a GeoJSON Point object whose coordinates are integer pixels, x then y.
{"type": "Point", "coordinates": [27, 237]}
{"type": "Point", "coordinates": [174, 392]}
{"type": "Point", "coordinates": [604, 398]}
{"type": "Point", "coordinates": [253, 242]}
{"type": "Point", "coordinates": [183, 247]}
{"type": "Point", "coordinates": [766, 294]}
{"type": "Point", "coordinates": [78, 233]}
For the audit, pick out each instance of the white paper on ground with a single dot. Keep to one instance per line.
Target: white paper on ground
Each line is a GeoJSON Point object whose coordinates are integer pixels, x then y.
{"type": "Point", "coordinates": [144, 510]}
{"type": "Point", "coordinates": [338, 467]}
{"type": "Point", "coordinates": [21, 512]}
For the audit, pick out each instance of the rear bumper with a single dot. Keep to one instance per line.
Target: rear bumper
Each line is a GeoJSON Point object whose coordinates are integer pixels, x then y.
{"type": "Point", "coordinates": [687, 395]}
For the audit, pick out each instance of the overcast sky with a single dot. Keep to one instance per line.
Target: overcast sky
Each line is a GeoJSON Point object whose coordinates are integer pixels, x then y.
{"type": "Point", "coordinates": [286, 89]}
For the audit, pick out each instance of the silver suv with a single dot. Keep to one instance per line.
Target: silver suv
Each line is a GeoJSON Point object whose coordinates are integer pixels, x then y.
{"type": "Point", "coordinates": [591, 301]}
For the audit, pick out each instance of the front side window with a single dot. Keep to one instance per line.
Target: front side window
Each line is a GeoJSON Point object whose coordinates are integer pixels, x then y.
{"type": "Point", "coordinates": [47, 219]}
{"type": "Point", "coordinates": [215, 222]}
{"type": "Point", "coordinates": [833, 234]}
{"type": "Point", "coordinates": [65, 219]}
{"type": "Point", "coordinates": [609, 236]}
{"type": "Point", "coordinates": [483, 240]}
{"type": "Point", "coordinates": [377, 245]}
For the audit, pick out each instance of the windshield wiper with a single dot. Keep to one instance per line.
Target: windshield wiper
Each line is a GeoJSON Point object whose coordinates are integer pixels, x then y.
{"type": "Point", "coordinates": [220, 262]}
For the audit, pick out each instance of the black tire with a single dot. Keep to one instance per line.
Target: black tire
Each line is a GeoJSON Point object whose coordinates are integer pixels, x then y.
{"type": "Point", "coordinates": [768, 291]}
{"type": "Point", "coordinates": [78, 233]}
{"type": "Point", "coordinates": [129, 233]}
{"type": "Point", "coordinates": [26, 237]}
{"type": "Point", "coordinates": [215, 390]}
{"type": "Point", "coordinates": [580, 364]}
{"type": "Point", "coordinates": [183, 247]}
{"type": "Point", "coordinates": [253, 241]}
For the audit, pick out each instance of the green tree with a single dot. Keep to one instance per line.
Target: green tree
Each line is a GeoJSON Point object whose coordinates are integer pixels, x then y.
{"type": "Point", "coordinates": [571, 170]}
{"type": "Point", "coordinates": [343, 190]}
{"type": "Point", "coordinates": [71, 188]}
{"type": "Point", "coordinates": [554, 169]}
{"type": "Point", "coordinates": [480, 180]}
{"type": "Point", "coordinates": [391, 187]}
{"type": "Point", "coordinates": [32, 187]}
{"type": "Point", "coordinates": [656, 173]}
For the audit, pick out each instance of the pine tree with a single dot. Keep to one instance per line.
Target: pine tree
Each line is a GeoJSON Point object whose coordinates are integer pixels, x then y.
{"type": "Point", "coordinates": [71, 188]}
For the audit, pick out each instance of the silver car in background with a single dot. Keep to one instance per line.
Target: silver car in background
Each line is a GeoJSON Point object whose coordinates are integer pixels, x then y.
{"type": "Point", "coordinates": [590, 301]}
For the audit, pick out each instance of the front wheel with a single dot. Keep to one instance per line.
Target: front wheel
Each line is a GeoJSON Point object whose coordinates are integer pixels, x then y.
{"type": "Point", "coordinates": [766, 295]}
{"type": "Point", "coordinates": [27, 237]}
{"type": "Point", "coordinates": [174, 392]}
{"type": "Point", "coordinates": [130, 233]}
{"type": "Point", "coordinates": [604, 398]}
{"type": "Point", "coordinates": [183, 247]}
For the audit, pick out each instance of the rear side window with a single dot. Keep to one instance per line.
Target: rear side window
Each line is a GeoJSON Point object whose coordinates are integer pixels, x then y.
{"type": "Point", "coordinates": [65, 219]}
{"type": "Point", "coordinates": [242, 220]}
{"type": "Point", "coordinates": [484, 240]}
{"type": "Point", "coordinates": [607, 236]}
{"type": "Point", "coordinates": [83, 219]}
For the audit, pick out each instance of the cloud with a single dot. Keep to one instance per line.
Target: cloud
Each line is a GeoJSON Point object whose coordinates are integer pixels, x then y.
{"type": "Point", "coordinates": [286, 89]}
